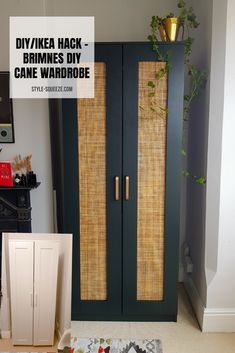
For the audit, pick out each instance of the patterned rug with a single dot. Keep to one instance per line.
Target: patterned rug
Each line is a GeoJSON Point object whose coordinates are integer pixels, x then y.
{"type": "Point", "coordinates": [89, 345]}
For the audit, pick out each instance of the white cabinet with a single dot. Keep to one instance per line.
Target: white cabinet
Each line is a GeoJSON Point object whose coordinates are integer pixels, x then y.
{"type": "Point", "coordinates": [21, 255]}
{"type": "Point", "coordinates": [33, 283]}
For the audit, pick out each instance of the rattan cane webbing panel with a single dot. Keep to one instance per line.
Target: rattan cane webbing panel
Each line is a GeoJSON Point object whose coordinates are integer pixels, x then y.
{"type": "Point", "coordinates": [151, 183]}
{"type": "Point", "coordinates": [92, 190]}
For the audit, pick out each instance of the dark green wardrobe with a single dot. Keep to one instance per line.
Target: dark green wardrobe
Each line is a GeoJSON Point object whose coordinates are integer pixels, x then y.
{"type": "Point", "coordinates": [116, 175]}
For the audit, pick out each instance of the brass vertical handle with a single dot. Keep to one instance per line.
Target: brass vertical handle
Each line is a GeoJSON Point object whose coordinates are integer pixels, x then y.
{"type": "Point", "coordinates": [127, 188]}
{"type": "Point", "coordinates": [116, 188]}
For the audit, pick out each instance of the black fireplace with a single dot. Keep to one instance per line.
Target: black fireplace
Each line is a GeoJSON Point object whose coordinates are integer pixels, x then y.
{"type": "Point", "coordinates": [15, 211]}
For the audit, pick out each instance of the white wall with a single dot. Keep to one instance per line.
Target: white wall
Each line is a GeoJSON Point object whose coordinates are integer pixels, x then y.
{"type": "Point", "coordinates": [63, 307]}
{"type": "Point", "coordinates": [197, 147]}
{"type": "Point", "coordinates": [212, 285]}
{"type": "Point", "coordinates": [221, 291]}
{"type": "Point", "coordinates": [216, 117]}
{"type": "Point", "coordinates": [115, 20]}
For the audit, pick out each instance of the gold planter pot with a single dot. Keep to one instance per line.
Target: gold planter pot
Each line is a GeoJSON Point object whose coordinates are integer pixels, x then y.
{"type": "Point", "coordinates": [171, 26]}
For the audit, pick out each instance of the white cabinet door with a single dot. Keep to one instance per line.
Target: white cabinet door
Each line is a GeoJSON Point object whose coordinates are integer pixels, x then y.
{"type": "Point", "coordinates": [21, 256]}
{"type": "Point", "coordinates": [45, 285]}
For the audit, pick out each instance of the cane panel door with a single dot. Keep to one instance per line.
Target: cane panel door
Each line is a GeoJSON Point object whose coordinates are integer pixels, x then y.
{"type": "Point", "coordinates": [152, 117]}
{"type": "Point", "coordinates": [93, 131]}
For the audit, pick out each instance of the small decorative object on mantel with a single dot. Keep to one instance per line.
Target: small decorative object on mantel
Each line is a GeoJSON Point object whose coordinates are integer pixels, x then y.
{"type": "Point", "coordinates": [171, 25]}
{"type": "Point", "coordinates": [6, 174]}
{"type": "Point", "coordinates": [17, 179]}
{"type": "Point", "coordinates": [31, 176]}
{"type": "Point", "coordinates": [24, 176]}
{"type": "Point", "coordinates": [168, 27]}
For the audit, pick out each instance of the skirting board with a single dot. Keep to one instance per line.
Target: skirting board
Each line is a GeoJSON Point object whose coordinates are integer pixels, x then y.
{"type": "Point", "coordinates": [219, 320]}
{"type": "Point", "coordinates": [210, 320]}
{"type": "Point", "coordinates": [6, 334]}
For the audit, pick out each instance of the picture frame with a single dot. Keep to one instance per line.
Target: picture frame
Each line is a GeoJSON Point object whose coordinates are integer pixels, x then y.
{"type": "Point", "coordinates": [6, 110]}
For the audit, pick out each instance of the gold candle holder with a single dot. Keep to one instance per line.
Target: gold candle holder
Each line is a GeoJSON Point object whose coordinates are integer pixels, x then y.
{"type": "Point", "coordinates": [171, 26]}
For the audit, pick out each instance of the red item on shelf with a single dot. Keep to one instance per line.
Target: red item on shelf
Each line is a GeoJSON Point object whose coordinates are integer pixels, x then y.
{"type": "Point", "coordinates": [6, 178]}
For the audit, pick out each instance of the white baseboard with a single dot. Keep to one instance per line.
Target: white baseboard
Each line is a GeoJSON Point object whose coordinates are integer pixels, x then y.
{"type": "Point", "coordinates": [6, 334]}
{"type": "Point", "coordinates": [213, 319]}
{"type": "Point", "coordinates": [219, 320]}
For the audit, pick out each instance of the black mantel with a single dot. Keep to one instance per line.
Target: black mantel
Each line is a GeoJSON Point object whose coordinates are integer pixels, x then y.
{"type": "Point", "coordinates": [15, 211]}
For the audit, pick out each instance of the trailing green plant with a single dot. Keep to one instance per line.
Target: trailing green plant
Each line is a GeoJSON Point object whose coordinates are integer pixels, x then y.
{"type": "Point", "coordinates": [198, 77]}
{"type": "Point", "coordinates": [170, 15]}
{"type": "Point", "coordinates": [155, 24]}
{"type": "Point", "coordinates": [188, 20]}
{"type": "Point", "coordinates": [195, 178]}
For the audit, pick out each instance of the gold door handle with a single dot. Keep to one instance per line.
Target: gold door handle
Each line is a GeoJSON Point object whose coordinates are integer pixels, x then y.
{"type": "Point", "coordinates": [116, 188]}
{"type": "Point", "coordinates": [127, 187]}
